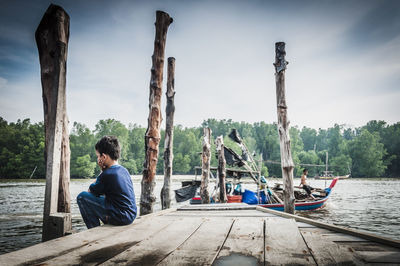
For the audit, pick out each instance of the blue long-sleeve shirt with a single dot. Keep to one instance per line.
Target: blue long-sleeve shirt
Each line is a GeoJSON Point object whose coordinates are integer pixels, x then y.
{"type": "Point", "coordinates": [116, 184]}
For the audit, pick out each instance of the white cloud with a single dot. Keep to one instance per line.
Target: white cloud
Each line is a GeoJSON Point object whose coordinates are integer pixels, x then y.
{"type": "Point", "coordinates": [224, 55]}
{"type": "Point", "coordinates": [20, 100]}
{"type": "Point", "coordinates": [3, 83]}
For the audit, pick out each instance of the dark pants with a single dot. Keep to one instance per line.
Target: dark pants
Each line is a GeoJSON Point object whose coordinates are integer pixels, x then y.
{"type": "Point", "coordinates": [308, 189]}
{"type": "Point", "coordinates": [92, 209]}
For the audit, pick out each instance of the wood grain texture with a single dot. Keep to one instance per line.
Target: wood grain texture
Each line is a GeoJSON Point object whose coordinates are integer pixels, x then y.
{"type": "Point", "coordinates": [234, 236]}
{"type": "Point", "coordinates": [335, 228]}
{"type": "Point", "coordinates": [205, 166]}
{"type": "Point", "coordinates": [203, 246]}
{"type": "Point", "coordinates": [52, 37]}
{"type": "Point", "coordinates": [219, 142]}
{"type": "Point", "coordinates": [246, 239]}
{"type": "Point", "coordinates": [158, 246]}
{"type": "Point", "coordinates": [105, 248]}
{"type": "Point", "coordinates": [380, 256]}
{"type": "Point", "coordinates": [169, 136]}
{"type": "Point", "coordinates": [329, 253]}
{"type": "Point", "coordinates": [284, 243]}
{"type": "Point", "coordinates": [227, 213]}
{"type": "Point", "coordinates": [152, 136]}
{"type": "Point", "coordinates": [53, 248]}
{"type": "Point", "coordinates": [283, 128]}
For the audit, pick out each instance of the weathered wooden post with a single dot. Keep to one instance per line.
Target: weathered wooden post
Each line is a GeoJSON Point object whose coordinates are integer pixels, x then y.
{"type": "Point", "coordinates": [283, 128]}
{"type": "Point", "coordinates": [52, 37]}
{"type": "Point", "coordinates": [205, 166]}
{"type": "Point", "coordinates": [169, 135]}
{"type": "Point", "coordinates": [64, 197]}
{"type": "Point", "coordinates": [221, 169]}
{"type": "Point", "coordinates": [152, 137]}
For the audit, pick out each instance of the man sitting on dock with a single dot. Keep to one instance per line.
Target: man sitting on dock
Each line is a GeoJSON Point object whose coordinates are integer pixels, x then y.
{"type": "Point", "coordinates": [303, 182]}
{"type": "Point", "coordinates": [110, 198]}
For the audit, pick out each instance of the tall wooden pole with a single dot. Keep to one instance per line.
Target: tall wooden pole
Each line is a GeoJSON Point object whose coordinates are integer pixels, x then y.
{"type": "Point", "coordinates": [52, 37]}
{"type": "Point", "coordinates": [152, 137]}
{"type": "Point", "coordinates": [169, 135]}
{"type": "Point", "coordinates": [283, 128]}
{"type": "Point", "coordinates": [221, 169]}
{"type": "Point", "coordinates": [205, 166]}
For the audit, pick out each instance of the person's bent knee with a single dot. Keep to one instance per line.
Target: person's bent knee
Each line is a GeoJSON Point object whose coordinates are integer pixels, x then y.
{"type": "Point", "coordinates": [83, 195]}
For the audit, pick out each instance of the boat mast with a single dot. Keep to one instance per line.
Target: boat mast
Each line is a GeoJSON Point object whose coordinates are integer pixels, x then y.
{"type": "Point", "coordinates": [326, 166]}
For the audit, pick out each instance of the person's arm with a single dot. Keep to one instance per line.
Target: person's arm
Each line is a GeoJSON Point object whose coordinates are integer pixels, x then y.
{"type": "Point", "coordinates": [97, 187]}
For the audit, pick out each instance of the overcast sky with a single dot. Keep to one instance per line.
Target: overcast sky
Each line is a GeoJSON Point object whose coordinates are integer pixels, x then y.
{"type": "Point", "coordinates": [344, 60]}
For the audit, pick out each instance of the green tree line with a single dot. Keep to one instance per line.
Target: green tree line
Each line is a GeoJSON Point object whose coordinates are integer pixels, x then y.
{"type": "Point", "coordinates": [372, 150]}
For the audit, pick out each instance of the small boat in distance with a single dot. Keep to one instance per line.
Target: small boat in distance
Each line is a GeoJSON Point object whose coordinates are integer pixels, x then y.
{"type": "Point", "coordinates": [328, 175]}
{"type": "Point", "coordinates": [331, 177]}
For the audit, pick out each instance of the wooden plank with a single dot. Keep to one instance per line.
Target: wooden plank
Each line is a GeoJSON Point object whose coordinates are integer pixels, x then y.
{"type": "Point", "coordinates": [326, 252]}
{"type": "Point", "coordinates": [108, 247]}
{"type": "Point", "coordinates": [339, 237]}
{"type": "Point", "coordinates": [203, 246]}
{"type": "Point", "coordinates": [245, 243]}
{"type": "Point", "coordinates": [234, 213]}
{"type": "Point", "coordinates": [156, 247]}
{"type": "Point", "coordinates": [50, 249]}
{"type": "Point", "coordinates": [217, 207]}
{"type": "Point", "coordinates": [316, 230]}
{"type": "Point", "coordinates": [366, 246]}
{"type": "Point", "coordinates": [332, 235]}
{"type": "Point", "coordinates": [380, 256]}
{"type": "Point", "coordinates": [304, 225]}
{"type": "Point", "coordinates": [368, 236]}
{"type": "Point", "coordinates": [284, 243]}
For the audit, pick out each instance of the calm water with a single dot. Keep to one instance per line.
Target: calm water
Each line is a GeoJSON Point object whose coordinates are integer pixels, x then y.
{"type": "Point", "coordinates": [372, 205]}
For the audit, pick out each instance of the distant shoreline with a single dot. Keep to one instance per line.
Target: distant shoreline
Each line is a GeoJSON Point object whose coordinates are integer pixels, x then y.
{"type": "Point", "coordinates": [190, 177]}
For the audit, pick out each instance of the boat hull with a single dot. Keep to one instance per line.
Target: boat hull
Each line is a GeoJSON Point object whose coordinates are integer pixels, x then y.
{"type": "Point", "coordinates": [299, 206]}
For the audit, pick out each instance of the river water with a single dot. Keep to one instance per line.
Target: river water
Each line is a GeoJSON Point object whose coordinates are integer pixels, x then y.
{"type": "Point", "coordinates": [370, 205]}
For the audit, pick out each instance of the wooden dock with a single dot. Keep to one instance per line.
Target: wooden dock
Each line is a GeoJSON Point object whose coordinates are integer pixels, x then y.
{"type": "Point", "coordinates": [219, 234]}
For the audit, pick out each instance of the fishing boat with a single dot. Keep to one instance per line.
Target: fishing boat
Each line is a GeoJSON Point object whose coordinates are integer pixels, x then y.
{"type": "Point", "coordinates": [302, 202]}
{"type": "Point", "coordinates": [321, 199]}
{"type": "Point", "coordinates": [267, 197]}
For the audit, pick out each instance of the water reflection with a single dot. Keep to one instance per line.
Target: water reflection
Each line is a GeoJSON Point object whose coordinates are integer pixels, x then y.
{"type": "Point", "coordinates": [371, 205]}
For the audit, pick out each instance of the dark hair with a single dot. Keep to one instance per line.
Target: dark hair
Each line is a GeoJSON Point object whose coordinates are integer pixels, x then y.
{"type": "Point", "coordinates": [109, 145]}
{"type": "Point", "coordinates": [305, 170]}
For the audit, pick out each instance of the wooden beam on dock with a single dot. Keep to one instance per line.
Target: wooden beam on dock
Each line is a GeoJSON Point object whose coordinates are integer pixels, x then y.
{"type": "Point", "coordinates": [283, 128]}
{"type": "Point", "coordinates": [152, 136]}
{"type": "Point", "coordinates": [169, 136]}
{"type": "Point", "coordinates": [52, 37]}
{"type": "Point", "coordinates": [371, 237]}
